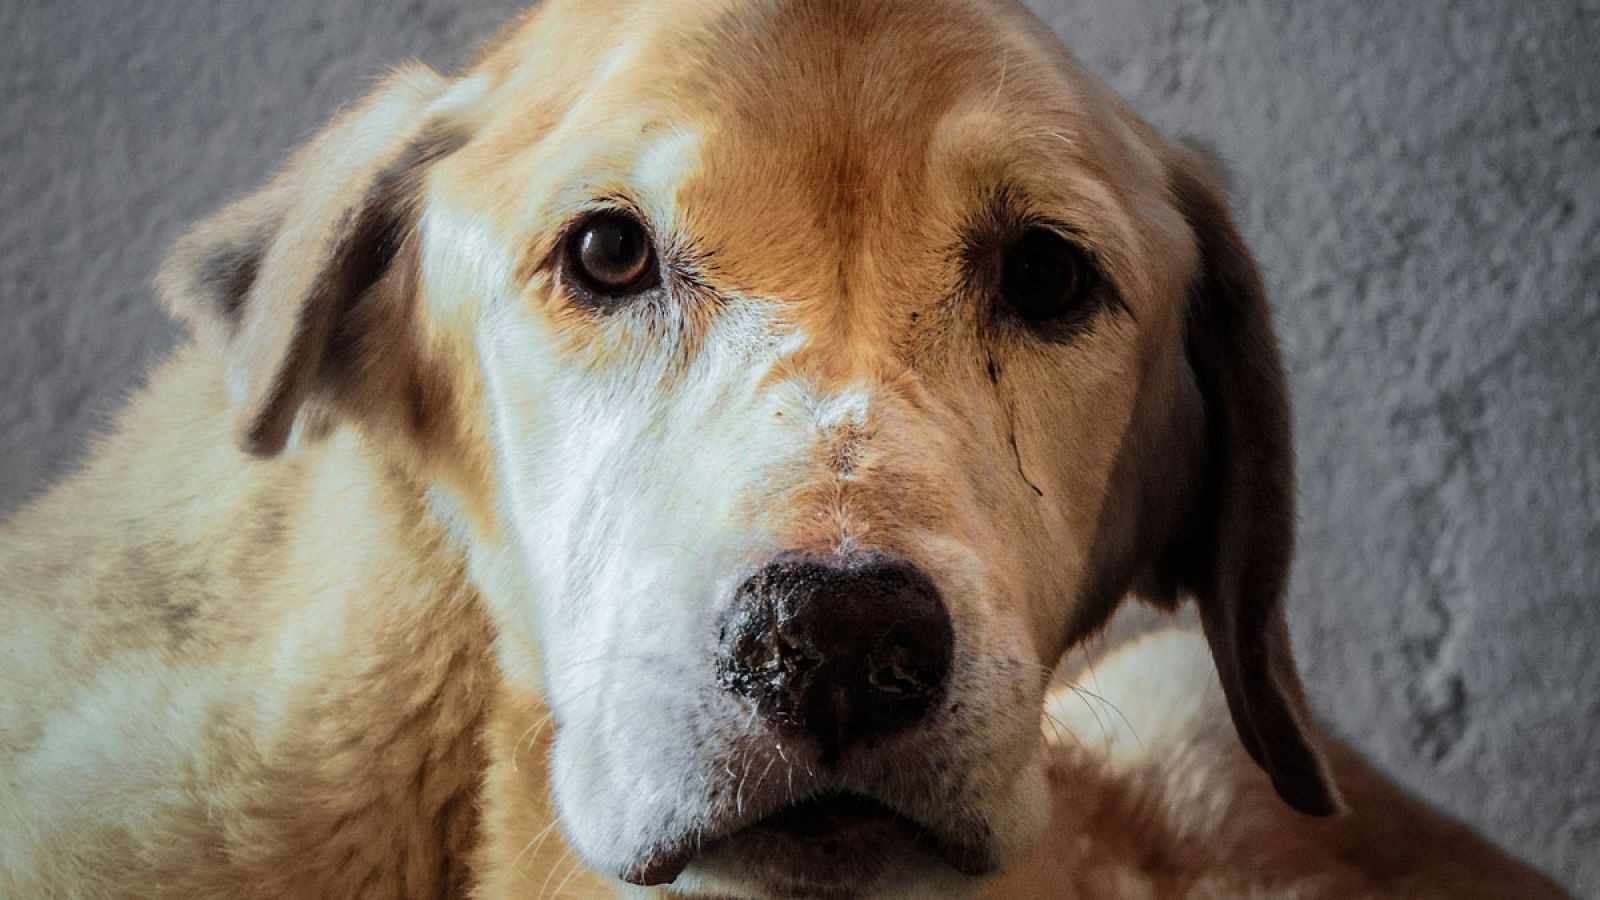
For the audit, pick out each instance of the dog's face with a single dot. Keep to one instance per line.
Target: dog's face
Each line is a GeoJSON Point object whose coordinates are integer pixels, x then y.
{"type": "Point", "coordinates": [804, 377]}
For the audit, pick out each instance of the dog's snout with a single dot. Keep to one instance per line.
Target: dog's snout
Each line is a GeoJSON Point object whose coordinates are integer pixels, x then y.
{"type": "Point", "coordinates": [843, 648]}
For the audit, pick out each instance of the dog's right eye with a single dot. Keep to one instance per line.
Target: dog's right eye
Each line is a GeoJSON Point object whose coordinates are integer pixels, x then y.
{"type": "Point", "coordinates": [611, 256]}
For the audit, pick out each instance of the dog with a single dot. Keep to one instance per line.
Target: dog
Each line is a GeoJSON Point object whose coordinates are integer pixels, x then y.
{"type": "Point", "coordinates": [672, 455]}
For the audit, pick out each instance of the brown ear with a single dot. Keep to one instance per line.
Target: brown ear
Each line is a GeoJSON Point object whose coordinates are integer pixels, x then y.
{"type": "Point", "coordinates": [1236, 548]}
{"type": "Point", "coordinates": [284, 284]}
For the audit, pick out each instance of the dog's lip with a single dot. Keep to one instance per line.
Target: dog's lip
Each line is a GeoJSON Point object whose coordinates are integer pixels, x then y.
{"type": "Point", "coordinates": [825, 813]}
{"type": "Point", "coordinates": [662, 866]}
{"type": "Point", "coordinates": [816, 818]}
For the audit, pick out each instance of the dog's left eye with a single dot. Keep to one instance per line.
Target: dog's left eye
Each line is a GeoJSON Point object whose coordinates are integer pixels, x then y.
{"type": "Point", "coordinates": [1045, 276]}
{"type": "Point", "coordinates": [610, 254]}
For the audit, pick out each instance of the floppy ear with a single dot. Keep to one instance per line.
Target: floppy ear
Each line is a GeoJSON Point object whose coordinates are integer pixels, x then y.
{"type": "Point", "coordinates": [1234, 551]}
{"type": "Point", "coordinates": [301, 287]}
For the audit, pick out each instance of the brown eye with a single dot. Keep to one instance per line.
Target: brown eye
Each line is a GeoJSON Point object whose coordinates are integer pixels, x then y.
{"type": "Point", "coordinates": [611, 255]}
{"type": "Point", "coordinates": [1045, 276]}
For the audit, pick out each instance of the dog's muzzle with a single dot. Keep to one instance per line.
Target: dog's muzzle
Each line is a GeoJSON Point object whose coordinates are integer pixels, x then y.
{"type": "Point", "coordinates": [834, 655]}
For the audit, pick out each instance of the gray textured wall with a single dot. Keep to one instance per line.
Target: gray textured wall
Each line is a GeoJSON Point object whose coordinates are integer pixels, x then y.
{"type": "Point", "coordinates": [1421, 181]}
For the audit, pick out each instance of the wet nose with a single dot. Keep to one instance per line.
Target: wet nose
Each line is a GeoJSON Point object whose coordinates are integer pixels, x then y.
{"type": "Point", "coordinates": [844, 648]}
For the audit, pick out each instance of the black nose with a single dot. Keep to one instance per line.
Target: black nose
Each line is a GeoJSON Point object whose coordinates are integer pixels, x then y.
{"type": "Point", "coordinates": [843, 648]}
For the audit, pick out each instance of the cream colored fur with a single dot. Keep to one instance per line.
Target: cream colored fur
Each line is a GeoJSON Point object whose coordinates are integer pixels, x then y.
{"type": "Point", "coordinates": [235, 678]}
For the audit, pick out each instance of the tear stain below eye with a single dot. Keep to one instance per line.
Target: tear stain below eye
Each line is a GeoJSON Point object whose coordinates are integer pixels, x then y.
{"type": "Point", "coordinates": [1011, 427]}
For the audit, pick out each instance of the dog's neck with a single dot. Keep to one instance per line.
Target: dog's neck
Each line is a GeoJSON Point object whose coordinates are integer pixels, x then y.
{"type": "Point", "coordinates": [448, 770]}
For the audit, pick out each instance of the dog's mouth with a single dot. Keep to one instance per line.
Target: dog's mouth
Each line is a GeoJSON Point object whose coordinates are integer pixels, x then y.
{"type": "Point", "coordinates": [830, 845]}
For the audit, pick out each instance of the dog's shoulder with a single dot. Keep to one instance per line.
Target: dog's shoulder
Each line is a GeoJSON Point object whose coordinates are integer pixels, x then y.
{"type": "Point", "coordinates": [1153, 798]}
{"type": "Point", "coordinates": [115, 590]}
{"type": "Point", "coordinates": [187, 626]}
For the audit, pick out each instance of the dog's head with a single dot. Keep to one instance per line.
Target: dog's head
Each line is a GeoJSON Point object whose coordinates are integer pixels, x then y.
{"type": "Point", "coordinates": [804, 377]}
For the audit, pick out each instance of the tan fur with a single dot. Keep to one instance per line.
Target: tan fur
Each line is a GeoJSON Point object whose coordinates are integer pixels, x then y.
{"type": "Point", "coordinates": [240, 679]}
{"type": "Point", "coordinates": [1154, 798]}
{"type": "Point", "coordinates": [270, 641]}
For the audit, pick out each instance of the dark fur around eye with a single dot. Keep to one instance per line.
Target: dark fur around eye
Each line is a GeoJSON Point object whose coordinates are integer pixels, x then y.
{"type": "Point", "coordinates": [1032, 272]}
{"type": "Point", "coordinates": [1045, 277]}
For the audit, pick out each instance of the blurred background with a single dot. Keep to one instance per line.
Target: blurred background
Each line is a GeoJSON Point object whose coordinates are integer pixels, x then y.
{"type": "Point", "coordinates": [1420, 181]}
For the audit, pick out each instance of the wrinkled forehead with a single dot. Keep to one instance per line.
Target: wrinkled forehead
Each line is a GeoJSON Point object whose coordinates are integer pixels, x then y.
{"type": "Point", "coordinates": [793, 138]}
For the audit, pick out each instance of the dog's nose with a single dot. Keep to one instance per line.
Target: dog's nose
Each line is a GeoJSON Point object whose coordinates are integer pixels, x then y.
{"type": "Point", "coordinates": [844, 648]}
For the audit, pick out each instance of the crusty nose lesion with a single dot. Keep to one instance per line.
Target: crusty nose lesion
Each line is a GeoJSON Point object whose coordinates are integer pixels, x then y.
{"type": "Point", "coordinates": [839, 648]}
